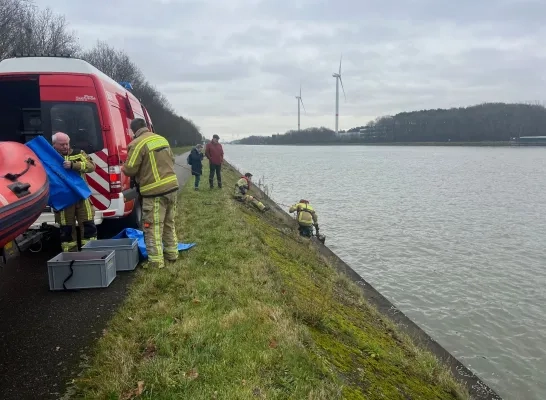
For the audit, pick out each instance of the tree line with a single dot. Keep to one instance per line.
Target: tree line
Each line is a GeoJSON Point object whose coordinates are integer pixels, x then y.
{"type": "Point", "coordinates": [25, 28]}
{"type": "Point", "coordinates": [488, 122]}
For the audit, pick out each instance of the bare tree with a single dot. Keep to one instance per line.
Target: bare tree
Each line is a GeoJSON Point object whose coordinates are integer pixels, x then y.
{"type": "Point", "coordinates": [26, 29]}
{"type": "Point", "coordinates": [49, 33]}
{"type": "Point", "coordinates": [114, 63]}
{"type": "Point", "coordinates": [12, 17]}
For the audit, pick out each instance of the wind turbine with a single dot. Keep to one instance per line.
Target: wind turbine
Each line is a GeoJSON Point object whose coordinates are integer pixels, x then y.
{"type": "Point", "coordinates": [338, 80]}
{"type": "Point", "coordinates": [299, 101]}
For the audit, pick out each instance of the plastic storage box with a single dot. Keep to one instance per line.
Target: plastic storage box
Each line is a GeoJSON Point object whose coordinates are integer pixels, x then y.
{"type": "Point", "coordinates": [90, 269]}
{"type": "Point", "coordinates": [127, 255]}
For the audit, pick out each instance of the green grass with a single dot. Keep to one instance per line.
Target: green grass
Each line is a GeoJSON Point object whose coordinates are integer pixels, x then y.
{"type": "Point", "coordinates": [252, 312]}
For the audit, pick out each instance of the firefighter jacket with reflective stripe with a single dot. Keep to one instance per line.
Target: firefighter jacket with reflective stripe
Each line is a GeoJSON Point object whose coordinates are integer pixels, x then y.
{"type": "Point", "coordinates": [241, 187]}
{"type": "Point", "coordinates": [151, 161]}
{"type": "Point", "coordinates": [81, 162]}
{"type": "Point", "coordinates": [306, 214]}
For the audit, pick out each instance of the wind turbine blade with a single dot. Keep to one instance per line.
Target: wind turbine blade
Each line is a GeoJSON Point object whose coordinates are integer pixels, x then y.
{"type": "Point", "coordinates": [341, 81]}
{"type": "Point", "coordinates": [340, 58]}
{"type": "Point", "coordinates": [300, 89]}
{"type": "Point", "coordinates": [302, 105]}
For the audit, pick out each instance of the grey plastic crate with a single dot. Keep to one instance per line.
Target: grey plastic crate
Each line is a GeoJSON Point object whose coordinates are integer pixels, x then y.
{"type": "Point", "coordinates": [127, 255]}
{"type": "Point", "coordinates": [92, 269]}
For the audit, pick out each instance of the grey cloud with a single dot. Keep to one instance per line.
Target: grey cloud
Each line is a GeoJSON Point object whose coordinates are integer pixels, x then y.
{"type": "Point", "coordinates": [240, 59]}
{"type": "Point", "coordinates": [185, 59]}
{"type": "Point", "coordinates": [209, 72]}
{"type": "Point", "coordinates": [255, 36]}
{"type": "Point", "coordinates": [418, 11]}
{"type": "Point", "coordinates": [144, 15]}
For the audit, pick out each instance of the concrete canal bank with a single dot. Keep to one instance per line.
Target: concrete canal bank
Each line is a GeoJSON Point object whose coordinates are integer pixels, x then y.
{"type": "Point", "coordinates": [477, 388]}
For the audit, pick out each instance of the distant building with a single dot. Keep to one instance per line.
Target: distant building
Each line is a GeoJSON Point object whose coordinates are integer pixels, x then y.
{"type": "Point", "coordinates": [529, 141]}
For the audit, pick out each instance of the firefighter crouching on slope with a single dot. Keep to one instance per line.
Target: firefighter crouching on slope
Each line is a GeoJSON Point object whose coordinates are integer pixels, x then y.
{"type": "Point", "coordinates": [307, 217]}
{"type": "Point", "coordinates": [83, 210]}
{"type": "Point", "coordinates": [151, 161]}
{"type": "Point", "coordinates": [242, 187]}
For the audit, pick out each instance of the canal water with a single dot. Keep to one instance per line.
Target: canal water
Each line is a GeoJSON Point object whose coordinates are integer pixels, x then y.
{"type": "Point", "coordinates": [453, 236]}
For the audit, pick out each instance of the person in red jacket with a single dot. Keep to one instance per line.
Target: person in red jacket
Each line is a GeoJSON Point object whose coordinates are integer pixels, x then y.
{"type": "Point", "coordinates": [215, 154]}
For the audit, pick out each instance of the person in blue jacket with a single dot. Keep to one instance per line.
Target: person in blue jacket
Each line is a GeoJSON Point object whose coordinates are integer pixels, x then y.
{"type": "Point", "coordinates": [195, 159]}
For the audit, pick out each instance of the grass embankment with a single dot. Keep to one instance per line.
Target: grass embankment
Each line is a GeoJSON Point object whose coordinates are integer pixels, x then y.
{"type": "Point", "coordinates": [253, 312]}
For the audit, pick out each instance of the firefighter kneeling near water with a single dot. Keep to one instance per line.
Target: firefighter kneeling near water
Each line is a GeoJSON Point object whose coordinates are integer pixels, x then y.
{"type": "Point", "coordinates": [151, 161]}
{"type": "Point", "coordinates": [242, 187]}
{"type": "Point", "coordinates": [307, 218]}
{"type": "Point", "coordinates": [83, 210]}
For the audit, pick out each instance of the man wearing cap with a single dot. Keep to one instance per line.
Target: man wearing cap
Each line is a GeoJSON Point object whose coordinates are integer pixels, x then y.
{"type": "Point", "coordinates": [215, 154]}
{"type": "Point", "coordinates": [242, 187]}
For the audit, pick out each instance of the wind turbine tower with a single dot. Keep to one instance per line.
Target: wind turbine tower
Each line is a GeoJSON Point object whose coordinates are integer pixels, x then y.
{"type": "Point", "coordinates": [338, 81]}
{"type": "Point", "coordinates": [299, 101]}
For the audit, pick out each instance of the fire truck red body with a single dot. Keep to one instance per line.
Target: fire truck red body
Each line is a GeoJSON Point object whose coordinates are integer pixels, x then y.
{"type": "Point", "coordinates": [41, 95]}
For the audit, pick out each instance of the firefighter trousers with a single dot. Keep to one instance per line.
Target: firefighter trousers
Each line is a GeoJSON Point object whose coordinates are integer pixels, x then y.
{"type": "Point", "coordinates": [246, 198]}
{"type": "Point", "coordinates": [158, 217]}
{"type": "Point", "coordinates": [84, 214]}
{"type": "Point", "coordinates": [306, 231]}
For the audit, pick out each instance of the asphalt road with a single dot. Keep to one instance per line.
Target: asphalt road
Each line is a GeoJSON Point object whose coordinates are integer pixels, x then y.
{"type": "Point", "coordinates": [45, 336]}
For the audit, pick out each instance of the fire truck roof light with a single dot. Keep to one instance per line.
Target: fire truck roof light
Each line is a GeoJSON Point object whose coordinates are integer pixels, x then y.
{"type": "Point", "coordinates": [61, 55]}
{"type": "Point", "coordinates": [126, 85]}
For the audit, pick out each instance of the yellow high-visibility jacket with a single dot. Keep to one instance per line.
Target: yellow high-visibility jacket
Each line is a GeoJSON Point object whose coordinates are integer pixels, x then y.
{"type": "Point", "coordinates": [151, 161]}
{"type": "Point", "coordinates": [306, 214]}
{"type": "Point", "coordinates": [81, 162]}
{"type": "Point", "coordinates": [241, 187]}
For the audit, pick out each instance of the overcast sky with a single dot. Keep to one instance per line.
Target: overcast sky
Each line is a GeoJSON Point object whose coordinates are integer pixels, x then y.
{"type": "Point", "coordinates": [234, 66]}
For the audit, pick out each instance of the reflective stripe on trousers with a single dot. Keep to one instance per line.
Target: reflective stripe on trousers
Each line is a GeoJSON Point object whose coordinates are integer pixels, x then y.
{"type": "Point", "coordinates": [83, 213]}
{"type": "Point", "coordinates": [158, 214]}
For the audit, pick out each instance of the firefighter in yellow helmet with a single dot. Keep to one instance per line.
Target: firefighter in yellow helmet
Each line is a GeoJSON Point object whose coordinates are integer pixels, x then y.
{"type": "Point", "coordinates": [242, 187]}
{"type": "Point", "coordinates": [151, 161]}
{"type": "Point", "coordinates": [306, 216]}
{"type": "Point", "coordinates": [83, 211]}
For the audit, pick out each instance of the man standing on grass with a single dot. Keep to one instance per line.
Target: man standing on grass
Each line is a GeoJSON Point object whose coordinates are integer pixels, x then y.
{"type": "Point", "coordinates": [215, 154]}
{"type": "Point", "coordinates": [151, 161]}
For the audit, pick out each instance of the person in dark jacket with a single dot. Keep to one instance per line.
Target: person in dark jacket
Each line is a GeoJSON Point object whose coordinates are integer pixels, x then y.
{"type": "Point", "coordinates": [195, 159]}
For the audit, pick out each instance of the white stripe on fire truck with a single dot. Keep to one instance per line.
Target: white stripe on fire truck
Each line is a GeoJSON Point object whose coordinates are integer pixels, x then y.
{"type": "Point", "coordinates": [100, 180]}
{"type": "Point", "coordinates": [99, 201]}
{"type": "Point", "coordinates": [98, 161]}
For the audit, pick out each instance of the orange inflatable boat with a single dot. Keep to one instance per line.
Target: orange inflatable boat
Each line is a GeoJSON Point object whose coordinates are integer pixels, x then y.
{"type": "Point", "coordinates": [24, 190]}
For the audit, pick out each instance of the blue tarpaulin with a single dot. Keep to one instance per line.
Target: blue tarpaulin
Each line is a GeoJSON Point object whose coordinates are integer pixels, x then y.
{"type": "Point", "coordinates": [139, 235]}
{"type": "Point", "coordinates": [66, 187]}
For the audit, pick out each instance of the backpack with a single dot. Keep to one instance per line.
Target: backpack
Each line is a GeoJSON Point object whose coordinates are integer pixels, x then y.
{"type": "Point", "coordinates": [188, 160]}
